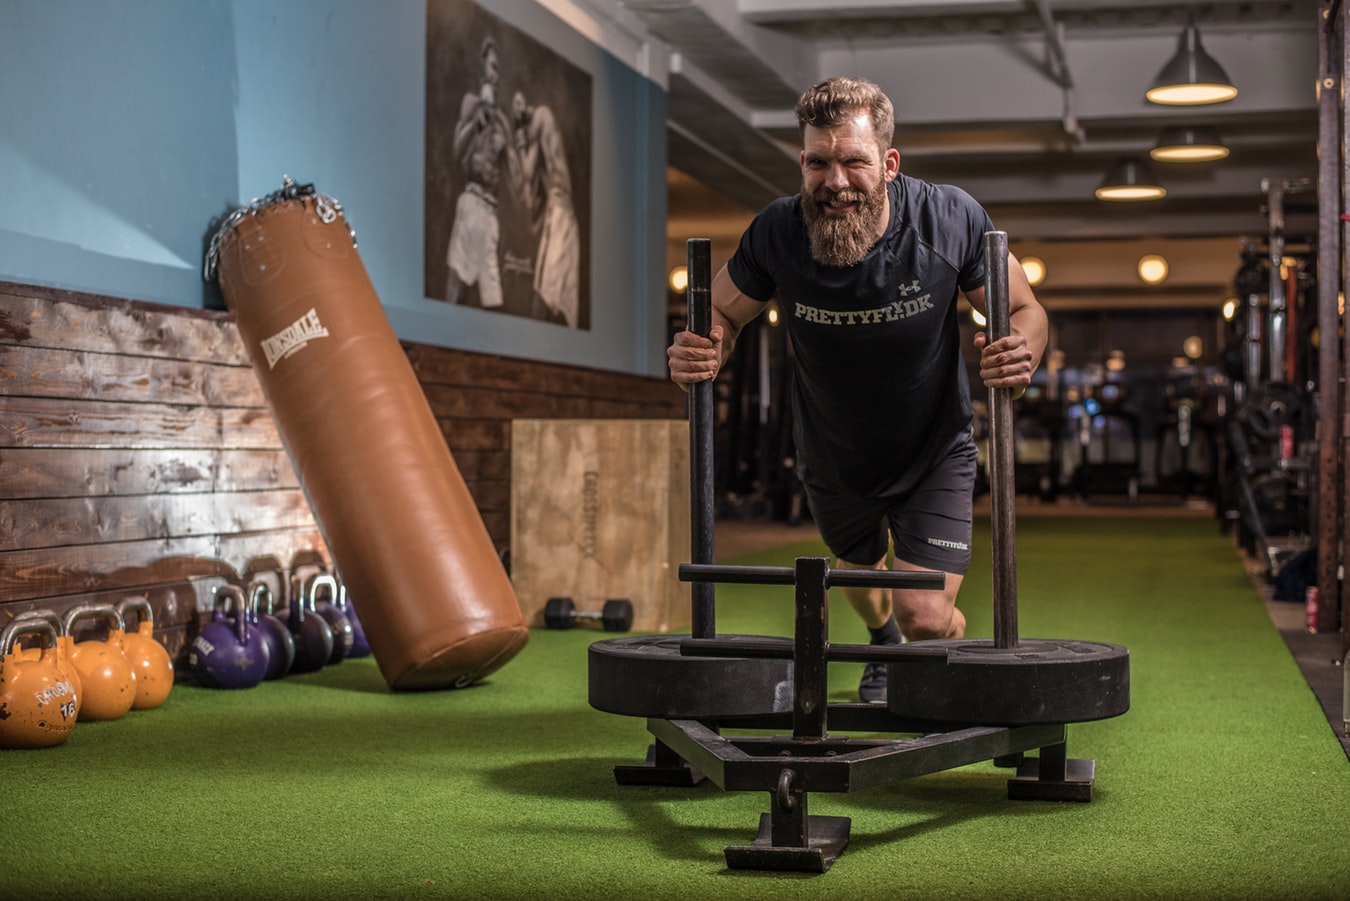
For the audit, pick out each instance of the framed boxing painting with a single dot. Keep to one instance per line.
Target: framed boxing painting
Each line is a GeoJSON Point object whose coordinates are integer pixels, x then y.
{"type": "Point", "coordinates": [508, 178]}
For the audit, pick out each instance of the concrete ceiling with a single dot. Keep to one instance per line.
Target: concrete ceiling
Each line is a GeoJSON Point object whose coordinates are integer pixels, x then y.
{"type": "Point", "coordinates": [1024, 103]}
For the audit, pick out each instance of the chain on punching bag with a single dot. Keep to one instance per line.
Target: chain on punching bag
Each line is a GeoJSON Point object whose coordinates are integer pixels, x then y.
{"type": "Point", "coordinates": [438, 607]}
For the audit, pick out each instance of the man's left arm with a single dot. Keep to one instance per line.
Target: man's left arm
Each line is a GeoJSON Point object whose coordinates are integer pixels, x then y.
{"type": "Point", "coordinates": [1011, 361]}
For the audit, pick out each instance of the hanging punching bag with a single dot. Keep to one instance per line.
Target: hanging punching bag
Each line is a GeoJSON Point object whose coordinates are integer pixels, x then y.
{"type": "Point", "coordinates": [437, 605]}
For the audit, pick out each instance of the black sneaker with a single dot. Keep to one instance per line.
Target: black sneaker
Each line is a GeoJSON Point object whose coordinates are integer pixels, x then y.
{"type": "Point", "coordinates": [872, 688]}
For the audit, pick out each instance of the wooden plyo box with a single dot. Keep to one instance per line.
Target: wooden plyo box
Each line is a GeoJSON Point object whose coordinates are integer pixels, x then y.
{"type": "Point", "coordinates": [600, 510]}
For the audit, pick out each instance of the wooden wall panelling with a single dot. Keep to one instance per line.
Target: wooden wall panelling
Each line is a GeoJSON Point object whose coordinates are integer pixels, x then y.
{"type": "Point", "coordinates": [46, 317]}
{"type": "Point", "coordinates": [38, 473]}
{"type": "Point", "coordinates": [137, 453]}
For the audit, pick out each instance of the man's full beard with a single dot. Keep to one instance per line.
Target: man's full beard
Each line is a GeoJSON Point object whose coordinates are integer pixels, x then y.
{"type": "Point", "coordinates": [843, 240]}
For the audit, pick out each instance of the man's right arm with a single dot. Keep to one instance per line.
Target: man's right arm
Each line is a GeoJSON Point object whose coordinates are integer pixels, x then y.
{"type": "Point", "coordinates": [693, 358]}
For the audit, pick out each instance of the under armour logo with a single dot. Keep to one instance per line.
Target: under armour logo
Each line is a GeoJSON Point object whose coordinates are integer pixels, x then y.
{"type": "Point", "coordinates": [906, 290]}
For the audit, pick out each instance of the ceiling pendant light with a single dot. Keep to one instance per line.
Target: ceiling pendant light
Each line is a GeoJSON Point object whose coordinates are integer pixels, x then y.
{"type": "Point", "coordinates": [1192, 77]}
{"type": "Point", "coordinates": [1188, 144]}
{"type": "Point", "coordinates": [1152, 269]}
{"type": "Point", "coordinates": [1130, 179]}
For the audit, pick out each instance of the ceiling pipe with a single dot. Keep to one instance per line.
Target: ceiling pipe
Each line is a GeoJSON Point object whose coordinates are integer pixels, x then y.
{"type": "Point", "coordinates": [746, 173]}
{"type": "Point", "coordinates": [1059, 68]}
{"type": "Point", "coordinates": [1054, 44]}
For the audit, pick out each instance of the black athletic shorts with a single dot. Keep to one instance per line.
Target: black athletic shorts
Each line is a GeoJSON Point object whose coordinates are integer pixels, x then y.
{"type": "Point", "coordinates": [930, 526]}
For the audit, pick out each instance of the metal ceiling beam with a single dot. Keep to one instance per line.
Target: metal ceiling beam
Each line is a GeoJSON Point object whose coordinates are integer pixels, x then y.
{"type": "Point", "coordinates": [975, 106]}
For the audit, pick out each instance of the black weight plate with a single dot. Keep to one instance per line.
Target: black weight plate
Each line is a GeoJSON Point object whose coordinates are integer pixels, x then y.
{"type": "Point", "coordinates": [1038, 681]}
{"type": "Point", "coordinates": [645, 675]}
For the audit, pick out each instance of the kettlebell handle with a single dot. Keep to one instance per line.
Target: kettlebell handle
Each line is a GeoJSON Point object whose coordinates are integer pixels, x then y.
{"type": "Point", "coordinates": [322, 580]}
{"type": "Point", "coordinates": [233, 596]}
{"type": "Point", "coordinates": [88, 611]}
{"type": "Point", "coordinates": [141, 604]}
{"type": "Point", "coordinates": [40, 613]}
{"type": "Point", "coordinates": [257, 592]}
{"type": "Point", "coordinates": [24, 625]}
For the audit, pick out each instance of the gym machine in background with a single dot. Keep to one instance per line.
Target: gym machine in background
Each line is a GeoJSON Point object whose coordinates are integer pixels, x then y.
{"type": "Point", "coordinates": [1186, 452]}
{"type": "Point", "coordinates": [1094, 431]}
{"type": "Point", "coordinates": [1270, 431]}
{"type": "Point", "coordinates": [1333, 283]}
{"type": "Point", "coordinates": [1038, 451]}
{"type": "Point", "coordinates": [1107, 430]}
{"type": "Point", "coordinates": [755, 469]}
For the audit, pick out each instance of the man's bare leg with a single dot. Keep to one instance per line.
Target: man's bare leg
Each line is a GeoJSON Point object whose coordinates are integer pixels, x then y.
{"type": "Point", "coordinates": [894, 615]}
{"type": "Point", "coordinates": [928, 614]}
{"type": "Point", "coordinates": [872, 604]}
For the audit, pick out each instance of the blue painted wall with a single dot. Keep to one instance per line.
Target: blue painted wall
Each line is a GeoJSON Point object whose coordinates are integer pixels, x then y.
{"type": "Point", "coordinates": [127, 127]}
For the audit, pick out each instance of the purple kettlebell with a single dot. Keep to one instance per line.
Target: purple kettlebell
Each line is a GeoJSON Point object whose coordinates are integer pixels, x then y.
{"type": "Point", "coordinates": [228, 653]}
{"type": "Point", "coordinates": [360, 645]}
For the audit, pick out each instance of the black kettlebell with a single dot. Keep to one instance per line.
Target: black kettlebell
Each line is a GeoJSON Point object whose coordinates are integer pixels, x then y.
{"type": "Point", "coordinates": [323, 593]}
{"type": "Point", "coordinates": [312, 635]}
{"type": "Point", "coordinates": [280, 643]}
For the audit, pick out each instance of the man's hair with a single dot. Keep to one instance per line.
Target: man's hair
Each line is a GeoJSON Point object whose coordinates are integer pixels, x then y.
{"type": "Point", "coordinates": [835, 101]}
{"type": "Point", "coordinates": [489, 46]}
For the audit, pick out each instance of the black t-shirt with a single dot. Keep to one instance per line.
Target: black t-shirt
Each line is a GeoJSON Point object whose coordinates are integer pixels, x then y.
{"type": "Point", "coordinates": [880, 391]}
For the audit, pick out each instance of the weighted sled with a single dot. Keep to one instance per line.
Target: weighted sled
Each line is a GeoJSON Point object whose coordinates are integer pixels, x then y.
{"type": "Point", "coordinates": [1037, 681]}
{"type": "Point", "coordinates": [645, 675]}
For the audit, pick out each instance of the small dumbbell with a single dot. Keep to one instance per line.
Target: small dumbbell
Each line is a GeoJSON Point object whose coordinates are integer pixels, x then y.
{"type": "Point", "coordinates": [615, 616]}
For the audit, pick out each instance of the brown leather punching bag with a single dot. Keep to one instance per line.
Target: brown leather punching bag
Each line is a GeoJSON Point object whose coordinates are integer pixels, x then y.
{"type": "Point", "coordinates": [437, 605]}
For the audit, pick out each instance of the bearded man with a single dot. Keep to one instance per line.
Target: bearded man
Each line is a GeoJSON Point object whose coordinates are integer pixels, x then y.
{"type": "Point", "coordinates": [867, 265]}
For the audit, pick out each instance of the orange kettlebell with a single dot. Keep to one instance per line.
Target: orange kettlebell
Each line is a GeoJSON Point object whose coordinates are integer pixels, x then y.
{"type": "Point", "coordinates": [64, 645]}
{"type": "Point", "coordinates": [38, 704]}
{"type": "Point", "coordinates": [149, 659]}
{"type": "Point", "coordinates": [106, 675]}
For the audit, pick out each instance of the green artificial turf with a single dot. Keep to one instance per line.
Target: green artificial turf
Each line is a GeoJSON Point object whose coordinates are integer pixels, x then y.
{"type": "Point", "coordinates": [1223, 781]}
